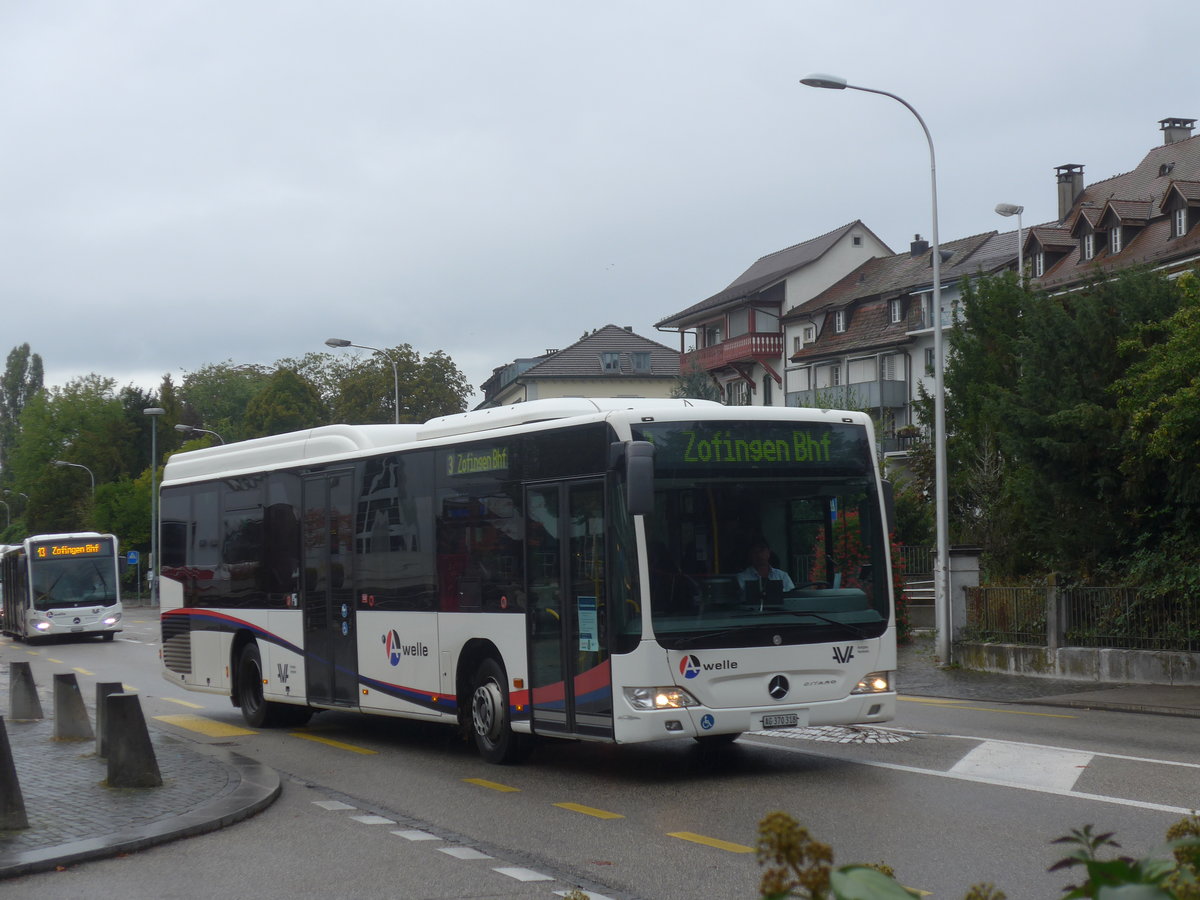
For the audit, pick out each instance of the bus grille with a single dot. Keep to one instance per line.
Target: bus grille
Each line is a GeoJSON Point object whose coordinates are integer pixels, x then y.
{"type": "Point", "coordinates": [177, 645]}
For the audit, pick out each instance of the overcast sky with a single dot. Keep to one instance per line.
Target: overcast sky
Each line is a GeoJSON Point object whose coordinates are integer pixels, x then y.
{"type": "Point", "coordinates": [185, 182]}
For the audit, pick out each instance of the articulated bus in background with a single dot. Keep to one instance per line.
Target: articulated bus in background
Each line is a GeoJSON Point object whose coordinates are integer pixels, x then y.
{"type": "Point", "coordinates": [62, 584]}
{"type": "Point", "coordinates": [573, 568]}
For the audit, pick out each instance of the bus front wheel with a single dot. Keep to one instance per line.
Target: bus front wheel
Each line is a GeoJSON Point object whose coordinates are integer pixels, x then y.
{"type": "Point", "coordinates": [494, 736]}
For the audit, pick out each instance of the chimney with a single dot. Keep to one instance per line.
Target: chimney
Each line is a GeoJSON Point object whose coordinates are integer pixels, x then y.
{"type": "Point", "coordinates": [1176, 129]}
{"type": "Point", "coordinates": [1070, 186]}
{"type": "Point", "coordinates": [917, 247]}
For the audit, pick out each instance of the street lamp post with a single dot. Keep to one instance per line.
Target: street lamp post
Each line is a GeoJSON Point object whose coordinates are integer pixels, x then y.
{"type": "Point", "coordinates": [7, 514]}
{"type": "Point", "coordinates": [1011, 209]}
{"type": "Point", "coordinates": [941, 588]}
{"type": "Point", "coordinates": [154, 412]}
{"type": "Point", "coordinates": [342, 342]}
{"type": "Point", "coordinates": [61, 463]}
{"type": "Point", "coordinates": [192, 429]}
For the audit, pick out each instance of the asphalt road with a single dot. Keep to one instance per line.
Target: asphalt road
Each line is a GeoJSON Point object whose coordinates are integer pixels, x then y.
{"type": "Point", "coordinates": [952, 794]}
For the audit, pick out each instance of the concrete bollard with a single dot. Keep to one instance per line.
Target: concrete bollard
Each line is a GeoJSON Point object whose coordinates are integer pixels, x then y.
{"type": "Point", "coordinates": [23, 702]}
{"type": "Point", "coordinates": [71, 722]}
{"type": "Point", "coordinates": [131, 760]}
{"type": "Point", "coordinates": [103, 689]}
{"type": "Point", "coordinates": [12, 803]}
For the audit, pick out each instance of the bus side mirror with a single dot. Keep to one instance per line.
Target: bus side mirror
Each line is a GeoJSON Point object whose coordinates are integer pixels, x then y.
{"type": "Point", "coordinates": [638, 457]}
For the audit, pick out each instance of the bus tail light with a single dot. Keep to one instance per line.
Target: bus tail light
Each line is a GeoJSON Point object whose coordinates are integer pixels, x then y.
{"type": "Point", "coordinates": [659, 698]}
{"type": "Point", "coordinates": [875, 683]}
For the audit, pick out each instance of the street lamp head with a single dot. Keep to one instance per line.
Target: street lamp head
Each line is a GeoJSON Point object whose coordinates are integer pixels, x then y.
{"type": "Point", "coordinates": [1009, 209]}
{"type": "Point", "coordinates": [819, 80]}
{"type": "Point", "coordinates": [186, 429]}
{"type": "Point", "coordinates": [58, 462]}
{"type": "Point", "coordinates": [337, 342]}
{"type": "Point", "coordinates": [154, 411]}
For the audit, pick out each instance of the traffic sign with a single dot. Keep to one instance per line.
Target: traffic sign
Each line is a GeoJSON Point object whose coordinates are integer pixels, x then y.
{"type": "Point", "coordinates": [132, 558]}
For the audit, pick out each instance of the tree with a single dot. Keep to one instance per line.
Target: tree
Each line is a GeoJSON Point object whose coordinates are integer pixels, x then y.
{"type": "Point", "coordinates": [84, 423]}
{"type": "Point", "coordinates": [362, 389]}
{"type": "Point", "coordinates": [1035, 453]}
{"type": "Point", "coordinates": [695, 383]}
{"type": "Point", "coordinates": [22, 380]}
{"type": "Point", "coordinates": [288, 402]}
{"type": "Point", "coordinates": [216, 396]}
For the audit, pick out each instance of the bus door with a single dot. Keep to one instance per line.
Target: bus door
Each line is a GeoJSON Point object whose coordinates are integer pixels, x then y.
{"type": "Point", "coordinates": [330, 655]}
{"type": "Point", "coordinates": [570, 679]}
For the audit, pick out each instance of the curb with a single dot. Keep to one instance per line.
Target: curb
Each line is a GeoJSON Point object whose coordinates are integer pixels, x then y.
{"type": "Point", "coordinates": [258, 787]}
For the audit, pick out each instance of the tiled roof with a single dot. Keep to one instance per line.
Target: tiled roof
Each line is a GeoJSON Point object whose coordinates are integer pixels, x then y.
{"type": "Point", "coordinates": [1166, 169]}
{"type": "Point", "coordinates": [890, 276]}
{"type": "Point", "coordinates": [1129, 211]}
{"type": "Point", "coordinates": [1051, 236]}
{"type": "Point", "coordinates": [583, 358]}
{"type": "Point", "coordinates": [766, 271]}
{"type": "Point", "coordinates": [1189, 190]}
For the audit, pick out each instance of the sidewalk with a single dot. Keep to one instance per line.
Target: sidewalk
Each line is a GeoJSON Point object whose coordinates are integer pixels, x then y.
{"type": "Point", "coordinates": [918, 676]}
{"type": "Point", "coordinates": [73, 817]}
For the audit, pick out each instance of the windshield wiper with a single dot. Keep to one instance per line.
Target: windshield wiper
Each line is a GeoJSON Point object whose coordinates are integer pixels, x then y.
{"type": "Point", "coordinates": [705, 635]}
{"type": "Point", "coordinates": [853, 629]}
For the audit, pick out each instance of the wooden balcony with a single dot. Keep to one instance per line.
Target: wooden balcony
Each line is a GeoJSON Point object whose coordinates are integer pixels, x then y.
{"type": "Point", "coordinates": [745, 348]}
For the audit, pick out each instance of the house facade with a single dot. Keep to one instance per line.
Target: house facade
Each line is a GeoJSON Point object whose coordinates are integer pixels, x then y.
{"type": "Point", "coordinates": [867, 342]}
{"type": "Point", "coordinates": [610, 362]}
{"type": "Point", "coordinates": [738, 332]}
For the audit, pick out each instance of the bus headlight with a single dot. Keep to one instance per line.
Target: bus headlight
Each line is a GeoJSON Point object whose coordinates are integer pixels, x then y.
{"type": "Point", "coordinates": [659, 698]}
{"type": "Point", "coordinates": [112, 620]}
{"type": "Point", "coordinates": [875, 683]}
{"type": "Point", "coordinates": [42, 625]}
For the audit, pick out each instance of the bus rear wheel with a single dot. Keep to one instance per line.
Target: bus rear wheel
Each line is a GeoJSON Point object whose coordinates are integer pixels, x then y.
{"type": "Point", "coordinates": [256, 711]}
{"type": "Point", "coordinates": [490, 718]}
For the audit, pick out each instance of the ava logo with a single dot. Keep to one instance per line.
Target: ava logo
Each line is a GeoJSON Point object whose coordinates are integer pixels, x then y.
{"type": "Point", "coordinates": [843, 654]}
{"type": "Point", "coordinates": [689, 667]}
{"type": "Point", "coordinates": [394, 649]}
{"type": "Point", "coordinates": [282, 669]}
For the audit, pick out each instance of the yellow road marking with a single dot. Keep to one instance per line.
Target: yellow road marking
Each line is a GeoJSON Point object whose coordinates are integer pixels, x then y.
{"type": "Point", "coordinates": [957, 704]}
{"type": "Point", "coordinates": [590, 811]}
{"type": "Point", "coordinates": [208, 727]}
{"type": "Point", "coordinates": [53, 660]}
{"type": "Point", "coordinates": [83, 671]}
{"type": "Point", "coordinates": [183, 703]}
{"type": "Point", "coordinates": [491, 785]}
{"type": "Point", "coordinates": [330, 742]}
{"type": "Point", "coordinates": [710, 842]}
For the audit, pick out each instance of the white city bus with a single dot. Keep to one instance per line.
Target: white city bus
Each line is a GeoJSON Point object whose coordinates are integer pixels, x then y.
{"type": "Point", "coordinates": [574, 568]}
{"type": "Point", "coordinates": [62, 584]}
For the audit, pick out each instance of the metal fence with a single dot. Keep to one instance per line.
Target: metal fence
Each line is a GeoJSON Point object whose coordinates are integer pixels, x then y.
{"type": "Point", "coordinates": [917, 560]}
{"type": "Point", "coordinates": [1006, 615]}
{"type": "Point", "coordinates": [1119, 618]}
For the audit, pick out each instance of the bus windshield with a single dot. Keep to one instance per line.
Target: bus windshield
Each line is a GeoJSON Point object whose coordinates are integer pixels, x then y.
{"type": "Point", "coordinates": [765, 533]}
{"type": "Point", "coordinates": [71, 581]}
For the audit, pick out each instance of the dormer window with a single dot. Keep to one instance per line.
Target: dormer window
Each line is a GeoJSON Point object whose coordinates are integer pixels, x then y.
{"type": "Point", "coordinates": [610, 362]}
{"type": "Point", "coordinates": [1179, 222]}
{"type": "Point", "coordinates": [895, 311]}
{"type": "Point", "coordinates": [1039, 264]}
{"type": "Point", "coordinates": [810, 333]}
{"type": "Point", "coordinates": [640, 360]}
{"type": "Point", "coordinates": [839, 321]}
{"type": "Point", "coordinates": [1088, 246]}
{"type": "Point", "coordinates": [1114, 239]}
